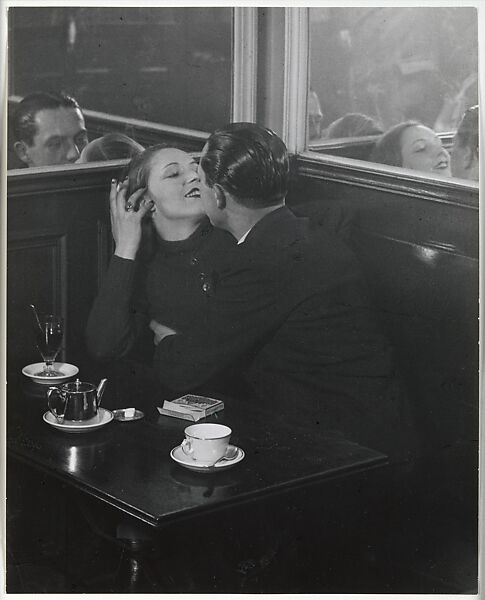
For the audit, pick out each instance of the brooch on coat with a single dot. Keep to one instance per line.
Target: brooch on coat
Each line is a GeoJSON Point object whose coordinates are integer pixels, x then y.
{"type": "Point", "coordinates": [208, 283]}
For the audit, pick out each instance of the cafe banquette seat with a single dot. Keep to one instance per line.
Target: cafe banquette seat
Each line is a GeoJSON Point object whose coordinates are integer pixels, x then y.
{"type": "Point", "coordinates": [420, 257]}
{"type": "Point", "coordinates": [418, 246]}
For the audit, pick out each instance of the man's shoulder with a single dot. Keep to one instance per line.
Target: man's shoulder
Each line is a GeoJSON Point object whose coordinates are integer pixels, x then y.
{"type": "Point", "coordinates": [283, 234]}
{"type": "Point", "coordinates": [293, 248]}
{"type": "Point", "coordinates": [275, 231]}
{"type": "Point", "coordinates": [313, 239]}
{"type": "Point", "coordinates": [318, 256]}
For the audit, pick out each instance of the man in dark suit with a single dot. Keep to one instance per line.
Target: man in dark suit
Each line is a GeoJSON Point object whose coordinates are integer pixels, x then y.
{"type": "Point", "coordinates": [290, 312]}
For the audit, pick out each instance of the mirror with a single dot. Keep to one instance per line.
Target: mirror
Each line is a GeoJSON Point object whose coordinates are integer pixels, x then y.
{"type": "Point", "coordinates": [170, 66]}
{"type": "Point", "coordinates": [374, 68]}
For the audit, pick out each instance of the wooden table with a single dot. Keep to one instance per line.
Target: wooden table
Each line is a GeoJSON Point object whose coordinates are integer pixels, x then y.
{"type": "Point", "coordinates": [127, 466]}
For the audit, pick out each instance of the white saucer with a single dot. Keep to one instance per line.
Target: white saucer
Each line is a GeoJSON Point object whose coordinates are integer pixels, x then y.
{"type": "Point", "coordinates": [66, 369]}
{"type": "Point", "coordinates": [102, 418]}
{"type": "Point", "coordinates": [179, 456]}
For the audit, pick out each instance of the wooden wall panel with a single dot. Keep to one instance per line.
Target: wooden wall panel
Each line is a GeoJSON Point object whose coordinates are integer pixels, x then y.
{"type": "Point", "coordinates": [58, 248]}
{"type": "Point", "coordinates": [35, 274]}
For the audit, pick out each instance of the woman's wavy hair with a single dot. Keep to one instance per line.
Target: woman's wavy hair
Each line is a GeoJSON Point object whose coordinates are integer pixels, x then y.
{"type": "Point", "coordinates": [138, 171]}
{"type": "Point", "coordinates": [248, 161]}
{"type": "Point", "coordinates": [387, 150]}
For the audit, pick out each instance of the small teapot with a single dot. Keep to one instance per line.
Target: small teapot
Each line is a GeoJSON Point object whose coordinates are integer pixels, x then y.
{"type": "Point", "coordinates": [75, 401]}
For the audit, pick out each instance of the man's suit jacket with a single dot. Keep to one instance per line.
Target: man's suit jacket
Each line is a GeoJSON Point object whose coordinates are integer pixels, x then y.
{"type": "Point", "coordinates": [290, 314]}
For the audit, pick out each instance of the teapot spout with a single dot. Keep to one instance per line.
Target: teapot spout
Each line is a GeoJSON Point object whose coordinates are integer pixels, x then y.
{"type": "Point", "coordinates": [100, 390]}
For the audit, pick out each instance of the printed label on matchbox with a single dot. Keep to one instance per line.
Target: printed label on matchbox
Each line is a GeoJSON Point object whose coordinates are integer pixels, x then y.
{"type": "Point", "coordinates": [191, 406]}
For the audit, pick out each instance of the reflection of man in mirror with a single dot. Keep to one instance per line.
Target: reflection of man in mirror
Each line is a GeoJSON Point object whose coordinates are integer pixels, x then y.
{"type": "Point", "coordinates": [315, 116]}
{"type": "Point", "coordinates": [49, 129]}
{"type": "Point", "coordinates": [464, 154]}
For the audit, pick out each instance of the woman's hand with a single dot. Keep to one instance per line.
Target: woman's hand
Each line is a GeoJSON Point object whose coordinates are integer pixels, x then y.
{"type": "Point", "coordinates": [160, 331]}
{"type": "Point", "coordinates": [125, 221]}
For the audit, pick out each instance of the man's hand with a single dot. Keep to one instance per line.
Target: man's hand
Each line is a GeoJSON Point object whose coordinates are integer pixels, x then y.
{"type": "Point", "coordinates": [160, 331]}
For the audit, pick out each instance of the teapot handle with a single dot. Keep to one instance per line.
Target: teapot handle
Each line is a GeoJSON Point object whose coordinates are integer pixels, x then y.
{"type": "Point", "coordinates": [100, 391]}
{"type": "Point", "coordinates": [53, 410]}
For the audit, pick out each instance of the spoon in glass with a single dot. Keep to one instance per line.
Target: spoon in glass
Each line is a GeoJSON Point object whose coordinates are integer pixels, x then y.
{"type": "Point", "coordinates": [36, 315]}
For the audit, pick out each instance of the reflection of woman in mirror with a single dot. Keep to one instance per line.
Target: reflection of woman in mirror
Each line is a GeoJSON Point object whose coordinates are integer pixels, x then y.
{"type": "Point", "coordinates": [464, 154]}
{"type": "Point", "coordinates": [353, 125]}
{"type": "Point", "coordinates": [110, 147]}
{"type": "Point", "coordinates": [413, 146]}
{"type": "Point", "coordinates": [170, 280]}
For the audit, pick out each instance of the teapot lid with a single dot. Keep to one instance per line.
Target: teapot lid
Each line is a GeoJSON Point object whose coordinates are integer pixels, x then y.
{"type": "Point", "coordinates": [79, 386]}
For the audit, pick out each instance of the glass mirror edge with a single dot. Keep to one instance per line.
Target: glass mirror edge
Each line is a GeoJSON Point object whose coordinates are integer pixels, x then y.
{"type": "Point", "coordinates": [369, 168]}
{"type": "Point", "coordinates": [244, 63]}
{"type": "Point", "coordinates": [296, 77]}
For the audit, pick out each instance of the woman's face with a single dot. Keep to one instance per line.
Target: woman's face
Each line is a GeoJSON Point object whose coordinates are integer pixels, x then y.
{"type": "Point", "coordinates": [422, 150]}
{"type": "Point", "coordinates": [173, 185]}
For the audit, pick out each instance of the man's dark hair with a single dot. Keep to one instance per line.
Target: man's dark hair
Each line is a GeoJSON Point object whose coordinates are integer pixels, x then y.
{"type": "Point", "coordinates": [24, 126]}
{"type": "Point", "coordinates": [248, 161]}
{"type": "Point", "coordinates": [467, 133]}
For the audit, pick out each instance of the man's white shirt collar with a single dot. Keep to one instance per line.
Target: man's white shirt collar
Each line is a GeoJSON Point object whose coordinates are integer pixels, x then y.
{"type": "Point", "coordinates": [243, 238]}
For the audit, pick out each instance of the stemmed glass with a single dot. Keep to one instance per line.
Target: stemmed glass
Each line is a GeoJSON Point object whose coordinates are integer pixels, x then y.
{"type": "Point", "coordinates": [49, 332]}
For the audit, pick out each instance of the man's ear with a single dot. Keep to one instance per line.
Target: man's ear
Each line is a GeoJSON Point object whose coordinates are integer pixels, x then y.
{"type": "Point", "coordinates": [220, 195]}
{"type": "Point", "coordinates": [22, 151]}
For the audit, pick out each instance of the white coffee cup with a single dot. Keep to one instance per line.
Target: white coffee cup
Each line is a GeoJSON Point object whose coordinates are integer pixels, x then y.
{"type": "Point", "coordinates": [206, 442]}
